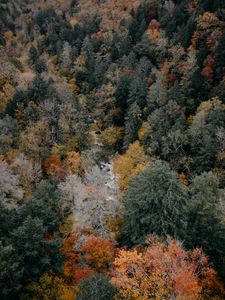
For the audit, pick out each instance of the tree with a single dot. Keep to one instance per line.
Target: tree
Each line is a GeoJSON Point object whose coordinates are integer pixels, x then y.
{"type": "Point", "coordinates": [219, 61]}
{"type": "Point", "coordinates": [138, 91]}
{"type": "Point", "coordinates": [204, 142]}
{"type": "Point", "coordinates": [164, 121]}
{"type": "Point", "coordinates": [158, 94]}
{"type": "Point", "coordinates": [48, 287]}
{"type": "Point", "coordinates": [161, 271]}
{"type": "Point", "coordinates": [100, 206]}
{"type": "Point", "coordinates": [98, 252]}
{"type": "Point", "coordinates": [73, 268]}
{"type": "Point", "coordinates": [121, 96]}
{"type": "Point", "coordinates": [29, 170]}
{"type": "Point", "coordinates": [73, 162]}
{"type": "Point", "coordinates": [11, 273]}
{"type": "Point", "coordinates": [155, 202]}
{"type": "Point", "coordinates": [206, 228]}
{"type": "Point", "coordinates": [9, 131]}
{"type": "Point", "coordinates": [45, 204]}
{"type": "Point", "coordinates": [129, 164]}
{"type": "Point", "coordinates": [33, 54]}
{"type": "Point", "coordinates": [112, 136]}
{"type": "Point", "coordinates": [96, 287]}
{"type": "Point", "coordinates": [54, 167]}
{"type": "Point", "coordinates": [73, 198]}
{"type": "Point", "coordinates": [40, 66]}
{"type": "Point", "coordinates": [35, 140]}
{"type": "Point", "coordinates": [66, 58]}
{"type": "Point", "coordinates": [9, 186]}
{"type": "Point", "coordinates": [132, 124]}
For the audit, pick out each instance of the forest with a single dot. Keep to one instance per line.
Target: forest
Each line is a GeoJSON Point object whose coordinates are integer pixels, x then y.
{"type": "Point", "coordinates": [112, 149]}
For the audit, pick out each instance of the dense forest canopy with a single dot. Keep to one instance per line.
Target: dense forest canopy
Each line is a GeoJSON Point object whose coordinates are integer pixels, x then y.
{"type": "Point", "coordinates": [112, 149]}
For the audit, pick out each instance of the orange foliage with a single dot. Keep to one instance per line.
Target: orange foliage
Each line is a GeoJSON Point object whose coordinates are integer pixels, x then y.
{"type": "Point", "coordinates": [98, 252]}
{"type": "Point", "coordinates": [54, 167]}
{"type": "Point", "coordinates": [81, 273]}
{"type": "Point", "coordinates": [73, 271]}
{"type": "Point", "coordinates": [162, 271]}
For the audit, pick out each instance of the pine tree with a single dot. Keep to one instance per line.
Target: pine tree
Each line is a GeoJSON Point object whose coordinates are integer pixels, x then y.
{"type": "Point", "coordinates": [96, 287]}
{"type": "Point", "coordinates": [33, 54]}
{"type": "Point", "coordinates": [132, 124]}
{"type": "Point", "coordinates": [206, 228]}
{"type": "Point", "coordinates": [156, 202]}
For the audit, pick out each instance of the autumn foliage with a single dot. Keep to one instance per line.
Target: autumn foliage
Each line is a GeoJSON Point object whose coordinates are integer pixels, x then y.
{"type": "Point", "coordinates": [131, 163]}
{"type": "Point", "coordinates": [98, 252]}
{"type": "Point", "coordinates": [161, 271]}
{"type": "Point", "coordinates": [73, 271]}
{"type": "Point", "coordinates": [54, 167]}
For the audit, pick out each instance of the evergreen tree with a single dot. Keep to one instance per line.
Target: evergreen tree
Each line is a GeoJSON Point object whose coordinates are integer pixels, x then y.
{"type": "Point", "coordinates": [156, 202]}
{"type": "Point", "coordinates": [96, 287]}
{"type": "Point", "coordinates": [138, 91]}
{"type": "Point", "coordinates": [219, 58]}
{"type": "Point", "coordinates": [33, 54]}
{"type": "Point", "coordinates": [121, 96]}
{"type": "Point", "coordinates": [132, 124]}
{"type": "Point", "coordinates": [206, 228]}
{"type": "Point", "coordinates": [40, 66]}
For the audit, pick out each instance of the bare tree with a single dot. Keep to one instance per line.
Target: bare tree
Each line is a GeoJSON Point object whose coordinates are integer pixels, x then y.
{"type": "Point", "coordinates": [29, 170]}
{"type": "Point", "coordinates": [10, 190]}
{"type": "Point", "coordinates": [91, 201]}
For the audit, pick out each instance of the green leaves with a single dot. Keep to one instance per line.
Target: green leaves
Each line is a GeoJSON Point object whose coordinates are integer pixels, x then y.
{"type": "Point", "coordinates": [156, 202]}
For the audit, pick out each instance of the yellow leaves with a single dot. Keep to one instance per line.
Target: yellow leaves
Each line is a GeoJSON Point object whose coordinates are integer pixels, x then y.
{"type": "Point", "coordinates": [115, 225]}
{"type": "Point", "coordinates": [144, 130]}
{"type": "Point", "coordinates": [131, 163]}
{"type": "Point", "coordinates": [50, 287]}
{"type": "Point", "coordinates": [154, 33]}
{"type": "Point", "coordinates": [112, 135]}
{"type": "Point", "coordinates": [72, 144]}
{"type": "Point", "coordinates": [6, 92]}
{"type": "Point", "coordinates": [8, 34]}
{"type": "Point", "coordinates": [73, 163]}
